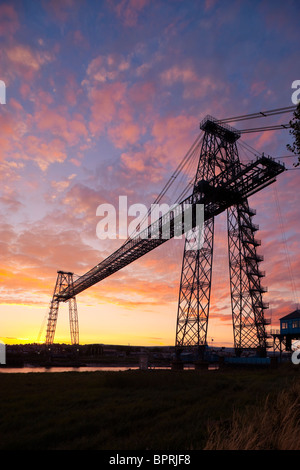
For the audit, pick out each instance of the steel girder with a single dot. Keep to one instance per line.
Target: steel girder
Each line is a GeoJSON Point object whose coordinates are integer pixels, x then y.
{"type": "Point", "coordinates": [64, 281]}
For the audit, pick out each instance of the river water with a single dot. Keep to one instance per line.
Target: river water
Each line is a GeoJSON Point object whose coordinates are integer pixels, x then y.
{"type": "Point", "coordinates": [28, 369]}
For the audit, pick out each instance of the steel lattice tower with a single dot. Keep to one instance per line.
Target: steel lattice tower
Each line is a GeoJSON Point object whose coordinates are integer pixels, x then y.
{"type": "Point", "coordinates": [219, 155]}
{"type": "Point", "coordinates": [222, 183]}
{"type": "Point", "coordinates": [64, 281]}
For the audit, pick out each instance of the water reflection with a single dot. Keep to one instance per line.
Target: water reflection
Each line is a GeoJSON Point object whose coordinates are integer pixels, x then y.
{"type": "Point", "coordinates": [29, 369]}
{"type": "Point", "coordinates": [26, 370]}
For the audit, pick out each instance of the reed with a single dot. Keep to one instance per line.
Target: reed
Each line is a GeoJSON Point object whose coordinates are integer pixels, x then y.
{"type": "Point", "coordinates": [275, 425]}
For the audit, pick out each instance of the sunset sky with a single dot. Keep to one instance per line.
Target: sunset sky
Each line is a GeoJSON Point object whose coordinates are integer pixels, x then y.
{"type": "Point", "coordinates": [103, 99]}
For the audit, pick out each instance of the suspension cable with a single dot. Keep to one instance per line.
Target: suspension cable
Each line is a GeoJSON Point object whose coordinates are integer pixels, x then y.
{"type": "Point", "coordinates": [186, 159]}
{"type": "Point", "coordinates": [285, 245]}
{"type": "Point", "coordinates": [196, 144]}
{"type": "Point", "coordinates": [266, 128]}
{"type": "Point", "coordinates": [272, 112]}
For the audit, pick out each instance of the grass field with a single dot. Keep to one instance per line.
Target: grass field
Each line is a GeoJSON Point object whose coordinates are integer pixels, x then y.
{"type": "Point", "coordinates": [139, 410]}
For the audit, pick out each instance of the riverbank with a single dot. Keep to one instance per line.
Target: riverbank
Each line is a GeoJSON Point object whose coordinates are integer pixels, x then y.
{"type": "Point", "coordinates": [131, 410]}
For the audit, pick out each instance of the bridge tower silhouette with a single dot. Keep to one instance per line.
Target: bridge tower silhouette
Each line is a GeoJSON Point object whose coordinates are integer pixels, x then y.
{"type": "Point", "coordinates": [222, 183]}
{"type": "Point", "coordinates": [64, 281]}
{"type": "Point", "coordinates": [219, 155]}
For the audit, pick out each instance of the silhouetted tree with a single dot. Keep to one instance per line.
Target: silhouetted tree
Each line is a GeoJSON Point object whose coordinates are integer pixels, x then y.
{"type": "Point", "coordinates": [295, 132]}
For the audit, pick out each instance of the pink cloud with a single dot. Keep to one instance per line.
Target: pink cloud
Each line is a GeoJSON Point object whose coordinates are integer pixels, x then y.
{"type": "Point", "coordinates": [122, 112]}
{"type": "Point", "coordinates": [75, 162]}
{"type": "Point", "coordinates": [43, 153]}
{"type": "Point", "coordinates": [25, 61]}
{"type": "Point", "coordinates": [142, 96]}
{"type": "Point", "coordinates": [174, 134]}
{"type": "Point", "coordinates": [71, 91]}
{"type": "Point", "coordinates": [43, 136]}
{"type": "Point", "coordinates": [105, 103]}
{"type": "Point", "coordinates": [7, 126]}
{"type": "Point", "coordinates": [79, 39]}
{"type": "Point", "coordinates": [129, 10]}
{"type": "Point", "coordinates": [145, 165]}
{"type": "Point", "coordinates": [182, 74]}
{"type": "Point", "coordinates": [209, 4]}
{"type": "Point", "coordinates": [30, 261]}
{"type": "Point", "coordinates": [61, 9]}
{"type": "Point", "coordinates": [9, 22]}
{"type": "Point", "coordinates": [264, 139]}
{"type": "Point", "coordinates": [107, 68]}
{"type": "Point", "coordinates": [58, 121]}
{"type": "Point", "coordinates": [195, 85]}
{"type": "Point", "coordinates": [257, 88]}
{"type": "Point", "coordinates": [125, 133]}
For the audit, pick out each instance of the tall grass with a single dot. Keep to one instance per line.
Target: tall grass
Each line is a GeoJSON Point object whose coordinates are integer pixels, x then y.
{"type": "Point", "coordinates": [154, 410]}
{"type": "Point", "coordinates": [275, 425]}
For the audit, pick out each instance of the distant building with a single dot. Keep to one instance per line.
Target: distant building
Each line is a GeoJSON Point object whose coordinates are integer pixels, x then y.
{"type": "Point", "coordinates": [289, 331]}
{"type": "Point", "coordinates": [290, 324]}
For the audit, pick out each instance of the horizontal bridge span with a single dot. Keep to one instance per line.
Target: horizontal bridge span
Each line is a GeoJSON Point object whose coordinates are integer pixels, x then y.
{"type": "Point", "coordinates": [229, 187]}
